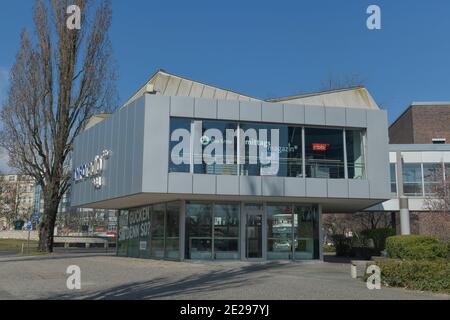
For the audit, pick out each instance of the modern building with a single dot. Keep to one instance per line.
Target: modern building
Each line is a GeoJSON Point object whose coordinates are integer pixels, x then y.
{"type": "Point", "coordinates": [420, 168]}
{"type": "Point", "coordinates": [200, 172]}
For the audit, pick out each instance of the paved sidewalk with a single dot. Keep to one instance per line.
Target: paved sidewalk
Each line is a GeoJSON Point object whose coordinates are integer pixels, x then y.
{"type": "Point", "coordinates": [109, 277]}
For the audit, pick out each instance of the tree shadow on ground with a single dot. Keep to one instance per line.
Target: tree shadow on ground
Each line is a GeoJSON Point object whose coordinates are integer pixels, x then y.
{"type": "Point", "coordinates": [166, 287]}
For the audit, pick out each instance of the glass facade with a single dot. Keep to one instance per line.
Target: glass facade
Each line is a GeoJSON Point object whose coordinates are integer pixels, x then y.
{"type": "Point", "coordinates": [150, 232]}
{"type": "Point", "coordinates": [256, 149]}
{"type": "Point", "coordinates": [220, 231]}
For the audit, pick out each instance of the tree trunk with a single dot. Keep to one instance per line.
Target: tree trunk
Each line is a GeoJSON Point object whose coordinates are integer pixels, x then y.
{"type": "Point", "coordinates": [47, 225]}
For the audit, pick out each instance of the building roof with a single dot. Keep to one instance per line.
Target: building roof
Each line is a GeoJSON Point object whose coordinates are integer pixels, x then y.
{"type": "Point", "coordinates": [167, 84]}
{"type": "Point", "coordinates": [96, 119]}
{"type": "Point", "coordinates": [430, 103]}
{"type": "Point", "coordinates": [355, 97]}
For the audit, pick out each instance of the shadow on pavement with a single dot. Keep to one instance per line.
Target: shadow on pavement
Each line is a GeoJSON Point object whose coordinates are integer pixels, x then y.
{"type": "Point", "coordinates": [167, 287]}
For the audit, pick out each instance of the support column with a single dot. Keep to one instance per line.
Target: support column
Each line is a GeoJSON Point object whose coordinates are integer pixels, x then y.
{"type": "Point", "coordinates": [404, 216]}
{"type": "Point", "coordinates": [321, 232]}
{"type": "Point", "coordinates": [402, 200]}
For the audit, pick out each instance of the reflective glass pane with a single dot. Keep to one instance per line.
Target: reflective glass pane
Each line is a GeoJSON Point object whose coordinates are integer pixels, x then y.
{"type": "Point", "coordinates": [433, 177]}
{"type": "Point", "coordinates": [393, 174]}
{"type": "Point", "coordinates": [173, 231]}
{"type": "Point", "coordinates": [263, 149]}
{"type": "Point", "coordinates": [355, 154]}
{"type": "Point", "coordinates": [198, 231]}
{"type": "Point", "coordinates": [179, 145]}
{"type": "Point", "coordinates": [157, 235]}
{"type": "Point", "coordinates": [122, 241]}
{"type": "Point", "coordinates": [306, 233]}
{"type": "Point", "coordinates": [324, 153]}
{"type": "Point", "coordinates": [215, 147]}
{"type": "Point", "coordinates": [412, 179]}
{"type": "Point", "coordinates": [279, 232]}
{"type": "Point", "coordinates": [226, 231]}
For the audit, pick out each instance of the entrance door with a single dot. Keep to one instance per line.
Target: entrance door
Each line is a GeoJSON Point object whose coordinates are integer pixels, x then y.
{"type": "Point", "coordinates": [254, 232]}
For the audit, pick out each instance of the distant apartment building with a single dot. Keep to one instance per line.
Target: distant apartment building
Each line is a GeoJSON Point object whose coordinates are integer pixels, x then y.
{"type": "Point", "coordinates": [16, 199]}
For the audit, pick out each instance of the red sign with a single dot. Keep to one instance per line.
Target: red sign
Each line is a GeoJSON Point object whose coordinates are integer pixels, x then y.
{"type": "Point", "coordinates": [320, 146]}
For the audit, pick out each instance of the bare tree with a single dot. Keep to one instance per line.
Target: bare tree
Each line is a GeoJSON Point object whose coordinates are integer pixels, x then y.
{"type": "Point", "coordinates": [57, 83]}
{"type": "Point", "coordinates": [438, 199]}
{"type": "Point", "coordinates": [334, 82]}
{"type": "Point", "coordinates": [372, 220]}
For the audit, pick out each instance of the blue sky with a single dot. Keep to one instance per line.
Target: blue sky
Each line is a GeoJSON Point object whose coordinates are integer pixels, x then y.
{"type": "Point", "coordinates": [273, 48]}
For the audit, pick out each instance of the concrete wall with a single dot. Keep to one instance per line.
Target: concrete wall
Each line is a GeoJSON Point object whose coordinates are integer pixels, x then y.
{"type": "Point", "coordinates": [19, 235]}
{"type": "Point", "coordinates": [138, 137]}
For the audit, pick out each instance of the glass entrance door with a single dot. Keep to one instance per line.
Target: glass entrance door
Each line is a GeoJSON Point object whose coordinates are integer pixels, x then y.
{"type": "Point", "coordinates": [254, 231]}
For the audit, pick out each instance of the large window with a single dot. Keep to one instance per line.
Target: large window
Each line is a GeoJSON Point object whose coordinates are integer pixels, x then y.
{"type": "Point", "coordinates": [226, 231]}
{"type": "Point", "coordinates": [306, 233]}
{"type": "Point", "coordinates": [324, 153]}
{"type": "Point", "coordinates": [355, 154]}
{"type": "Point", "coordinates": [212, 231]}
{"type": "Point", "coordinates": [433, 177]}
{"type": "Point", "coordinates": [279, 232]}
{"type": "Point", "coordinates": [292, 232]}
{"type": "Point", "coordinates": [198, 231]}
{"type": "Point", "coordinates": [215, 147]}
{"type": "Point", "coordinates": [180, 156]}
{"type": "Point", "coordinates": [256, 149]}
{"type": "Point", "coordinates": [412, 179]}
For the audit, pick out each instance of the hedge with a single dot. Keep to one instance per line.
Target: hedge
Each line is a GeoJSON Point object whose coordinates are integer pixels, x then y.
{"type": "Point", "coordinates": [416, 247]}
{"type": "Point", "coordinates": [379, 237]}
{"type": "Point", "coordinates": [416, 274]}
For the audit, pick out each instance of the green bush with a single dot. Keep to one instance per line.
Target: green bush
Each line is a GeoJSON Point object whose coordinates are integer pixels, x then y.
{"type": "Point", "coordinates": [342, 244]}
{"type": "Point", "coordinates": [327, 248]}
{"type": "Point", "coordinates": [416, 274]}
{"type": "Point", "coordinates": [379, 237]}
{"type": "Point", "coordinates": [415, 247]}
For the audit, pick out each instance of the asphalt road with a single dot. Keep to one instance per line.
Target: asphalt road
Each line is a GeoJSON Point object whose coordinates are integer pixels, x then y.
{"type": "Point", "coordinates": [109, 277]}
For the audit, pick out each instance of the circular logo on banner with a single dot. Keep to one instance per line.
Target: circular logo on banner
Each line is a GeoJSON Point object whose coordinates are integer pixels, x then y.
{"type": "Point", "coordinates": [205, 140]}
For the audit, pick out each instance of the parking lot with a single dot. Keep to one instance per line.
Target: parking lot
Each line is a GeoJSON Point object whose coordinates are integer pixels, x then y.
{"type": "Point", "coordinates": [108, 277]}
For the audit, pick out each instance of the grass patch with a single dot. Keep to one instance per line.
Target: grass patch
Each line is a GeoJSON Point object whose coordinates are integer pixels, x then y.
{"type": "Point", "coordinates": [16, 245]}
